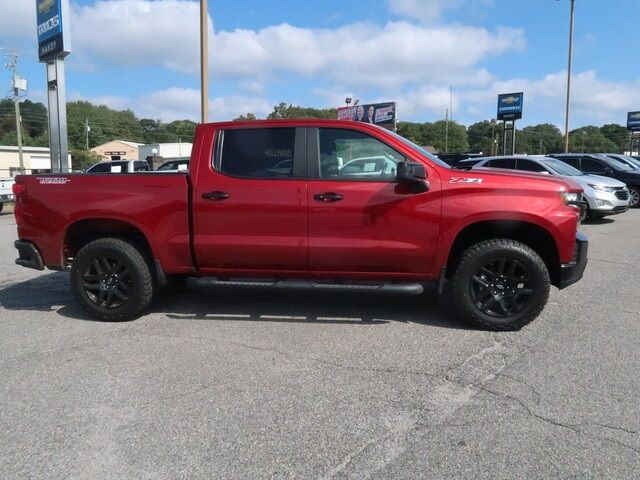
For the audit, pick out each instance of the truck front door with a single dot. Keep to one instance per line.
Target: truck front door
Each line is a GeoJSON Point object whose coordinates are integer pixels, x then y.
{"type": "Point", "coordinates": [250, 201]}
{"type": "Point", "coordinates": [361, 221]}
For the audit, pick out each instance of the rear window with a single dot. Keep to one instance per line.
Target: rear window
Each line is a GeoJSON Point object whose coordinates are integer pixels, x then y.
{"type": "Point", "coordinates": [256, 152]}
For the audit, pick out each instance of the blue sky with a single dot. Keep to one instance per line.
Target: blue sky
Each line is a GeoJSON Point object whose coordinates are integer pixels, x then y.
{"type": "Point", "coordinates": [142, 54]}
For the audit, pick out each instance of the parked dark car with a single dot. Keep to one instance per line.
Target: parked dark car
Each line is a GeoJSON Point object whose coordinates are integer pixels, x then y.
{"type": "Point", "coordinates": [454, 159]}
{"type": "Point", "coordinates": [633, 162]}
{"type": "Point", "coordinates": [596, 164]}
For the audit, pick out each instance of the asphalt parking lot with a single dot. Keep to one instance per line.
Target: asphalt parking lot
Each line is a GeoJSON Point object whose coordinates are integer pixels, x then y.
{"type": "Point", "coordinates": [239, 383]}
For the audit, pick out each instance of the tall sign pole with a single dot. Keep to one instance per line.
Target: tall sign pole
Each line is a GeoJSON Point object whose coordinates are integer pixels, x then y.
{"type": "Point", "coordinates": [53, 47]}
{"type": "Point", "coordinates": [569, 61]}
{"type": "Point", "coordinates": [204, 62]}
{"type": "Point", "coordinates": [509, 110]}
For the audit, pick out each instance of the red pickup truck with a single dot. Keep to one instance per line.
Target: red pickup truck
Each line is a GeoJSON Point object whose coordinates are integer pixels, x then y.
{"type": "Point", "coordinates": [315, 203]}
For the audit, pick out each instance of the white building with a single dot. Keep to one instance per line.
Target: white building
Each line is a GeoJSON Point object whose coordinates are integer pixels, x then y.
{"type": "Point", "coordinates": [36, 160]}
{"type": "Point", "coordinates": [167, 151]}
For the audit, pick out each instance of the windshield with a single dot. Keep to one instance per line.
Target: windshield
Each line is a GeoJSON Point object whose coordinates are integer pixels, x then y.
{"type": "Point", "coordinates": [561, 168]}
{"type": "Point", "coordinates": [430, 156]}
{"type": "Point", "coordinates": [618, 164]}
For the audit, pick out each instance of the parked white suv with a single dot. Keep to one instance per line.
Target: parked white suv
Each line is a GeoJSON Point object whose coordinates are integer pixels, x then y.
{"type": "Point", "coordinates": [6, 194]}
{"type": "Point", "coordinates": [604, 195]}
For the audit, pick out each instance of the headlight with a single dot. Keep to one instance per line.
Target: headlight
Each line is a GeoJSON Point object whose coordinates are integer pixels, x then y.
{"type": "Point", "coordinates": [601, 188]}
{"type": "Point", "coordinates": [572, 198]}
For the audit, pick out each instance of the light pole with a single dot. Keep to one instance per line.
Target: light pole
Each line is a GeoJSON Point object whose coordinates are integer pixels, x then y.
{"type": "Point", "coordinates": [566, 116]}
{"type": "Point", "coordinates": [204, 64]}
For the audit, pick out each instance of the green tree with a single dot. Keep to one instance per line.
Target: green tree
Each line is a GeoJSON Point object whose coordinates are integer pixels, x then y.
{"type": "Point", "coordinates": [618, 135]}
{"type": "Point", "coordinates": [589, 139]}
{"type": "Point", "coordinates": [82, 159]}
{"type": "Point", "coordinates": [480, 135]}
{"type": "Point", "coordinates": [284, 110]}
{"type": "Point", "coordinates": [242, 118]}
{"type": "Point", "coordinates": [435, 134]}
{"type": "Point", "coordinates": [415, 132]}
{"type": "Point", "coordinates": [539, 139]}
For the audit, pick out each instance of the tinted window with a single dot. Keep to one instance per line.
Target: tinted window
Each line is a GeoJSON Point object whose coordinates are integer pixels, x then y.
{"type": "Point", "coordinates": [348, 154]}
{"type": "Point", "coordinates": [561, 167]}
{"type": "Point", "coordinates": [501, 163]}
{"type": "Point", "coordinates": [573, 161]}
{"type": "Point", "coordinates": [100, 168]}
{"type": "Point", "coordinates": [592, 165]}
{"type": "Point", "coordinates": [168, 166]}
{"type": "Point", "coordinates": [141, 166]}
{"type": "Point", "coordinates": [257, 152]}
{"type": "Point", "coordinates": [530, 166]}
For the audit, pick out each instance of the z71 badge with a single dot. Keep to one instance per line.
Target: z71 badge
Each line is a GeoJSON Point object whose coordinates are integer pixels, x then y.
{"type": "Point", "coordinates": [465, 180]}
{"type": "Point", "coordinates": [53, 180]}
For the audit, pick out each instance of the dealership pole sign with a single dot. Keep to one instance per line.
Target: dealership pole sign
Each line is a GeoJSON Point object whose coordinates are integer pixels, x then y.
{"type": "Point", "coordinates": [510, 106]}
{"type": "Point", "coordinates": [53, 29]}
{"type": "Point", "coordinates": [633, 121]}
{"type": "Point", "coordinates": [53, 45]}
{"type": "Point", "coordinates": [383, 114]}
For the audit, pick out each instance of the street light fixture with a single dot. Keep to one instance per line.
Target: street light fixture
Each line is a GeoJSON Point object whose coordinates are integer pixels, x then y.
{"type": "Point", "coordinates": [566, 116]}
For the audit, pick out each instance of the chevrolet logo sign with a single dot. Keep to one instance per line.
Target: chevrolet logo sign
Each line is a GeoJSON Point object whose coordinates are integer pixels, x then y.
{"type": "Point", "coordinates": [44, 6]}
{"type": "Point", "coordinates": [635, 116]}
{"type": "Point", "coordinates": [510, 100]}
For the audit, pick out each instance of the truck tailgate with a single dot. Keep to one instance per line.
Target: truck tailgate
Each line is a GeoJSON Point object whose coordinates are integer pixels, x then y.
{"type": "Point", "coordinates": [155, 204]}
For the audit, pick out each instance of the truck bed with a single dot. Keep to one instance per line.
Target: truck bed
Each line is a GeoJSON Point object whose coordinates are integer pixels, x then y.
{"type": "Point", "coordinates": [154, 204]}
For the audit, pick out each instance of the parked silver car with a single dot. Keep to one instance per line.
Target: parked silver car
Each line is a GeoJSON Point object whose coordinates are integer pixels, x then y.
{"type": "Point", "coordinates": [604, 195]}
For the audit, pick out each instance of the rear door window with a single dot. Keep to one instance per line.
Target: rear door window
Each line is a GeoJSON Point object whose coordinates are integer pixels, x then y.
{"type": "Point", "coordinates": [509, 163]}
{"type": "Point", "coordinates": [530, 166]}
{"type": "Point", "coordinates": [256, 152]}
{"type": "Point", "coordinates": [591, 165]}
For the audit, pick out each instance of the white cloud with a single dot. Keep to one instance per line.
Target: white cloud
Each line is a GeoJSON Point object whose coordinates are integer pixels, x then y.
{"type": "Point", "coordinates": [17, 20]}
{"type": "Point", "coordinates": [428, 11]}
{"type": "Point", "coordinates": [593, 100]}
{"type": "Point", "coordinates": [164, 33]}
{"type": "Point", "coordinates": [177, 103]}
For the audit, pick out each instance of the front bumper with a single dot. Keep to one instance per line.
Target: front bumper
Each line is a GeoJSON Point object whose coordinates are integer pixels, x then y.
{"type": "Point", "coordinates": [572, 272]}
{"type": "Point", "coordinates": [609, 203]}
{"type": "Point", "coordinates": [29, 256]}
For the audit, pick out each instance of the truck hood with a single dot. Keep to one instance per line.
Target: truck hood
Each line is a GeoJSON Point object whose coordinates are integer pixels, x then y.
{"type": "Point", "coordinates": [499, 177]}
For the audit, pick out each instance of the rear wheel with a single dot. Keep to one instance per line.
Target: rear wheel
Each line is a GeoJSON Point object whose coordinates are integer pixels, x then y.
{"type": "Point", "coordinates": [500, 284]}
{"type": "Point", "coordinates": [112, 280]}
{"type": "Point", "coordinates": [1, 206]}
{"type": "Point", "coordinates": [634, 200]}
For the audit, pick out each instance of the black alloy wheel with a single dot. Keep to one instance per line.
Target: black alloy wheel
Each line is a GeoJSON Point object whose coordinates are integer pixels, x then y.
{"type": "Point", "coordinates": [107, 282]}
{"type": "Point", "coordinates": [502, 288]}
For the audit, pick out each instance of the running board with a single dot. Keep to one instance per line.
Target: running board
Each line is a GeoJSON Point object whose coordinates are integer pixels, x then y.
{"type": "Point", "coordinates": [394, 288]}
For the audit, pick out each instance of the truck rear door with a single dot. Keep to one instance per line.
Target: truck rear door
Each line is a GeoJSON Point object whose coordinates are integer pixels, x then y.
{"type": "Point", "coordinates": [250, 201]}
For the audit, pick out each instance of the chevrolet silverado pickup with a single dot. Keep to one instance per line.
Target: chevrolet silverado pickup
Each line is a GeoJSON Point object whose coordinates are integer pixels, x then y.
{"type": "Point", "coordinates": [327, 204]}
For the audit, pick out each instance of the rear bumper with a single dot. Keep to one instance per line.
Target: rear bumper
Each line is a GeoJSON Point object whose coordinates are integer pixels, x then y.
{"type": "Point", "coordinates": [572, 272]}
{"type": "Point", "coordinates": [29, 256]}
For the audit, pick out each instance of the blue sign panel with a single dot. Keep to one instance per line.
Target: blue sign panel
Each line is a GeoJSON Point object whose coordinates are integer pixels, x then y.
{"type": "Point", "coordinates": [633, 121]}
{"type": "Point", "coordinates": [510, 106]}
{"type": "Point", "coordinates": [52, 16]}
{"type": "Point", "coordinates": [49, 19]}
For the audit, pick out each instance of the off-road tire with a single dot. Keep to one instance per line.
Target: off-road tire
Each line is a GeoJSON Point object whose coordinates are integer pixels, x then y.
{"type": "Point", "coordinates": [459, 287]}
{"type": "Point", "coordinates": [140, 274]}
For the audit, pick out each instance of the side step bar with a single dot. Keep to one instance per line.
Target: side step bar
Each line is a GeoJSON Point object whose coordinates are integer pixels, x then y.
{"type": "Point", "coordinates": [394, 288]}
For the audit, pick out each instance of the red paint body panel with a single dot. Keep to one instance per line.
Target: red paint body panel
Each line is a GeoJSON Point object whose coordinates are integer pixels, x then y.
{"type": "Point", "coordinates": [275, 227]}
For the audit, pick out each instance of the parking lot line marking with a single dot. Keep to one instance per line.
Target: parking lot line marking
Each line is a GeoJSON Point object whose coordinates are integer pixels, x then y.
{"type": "Point", "coordinates": [227, 315]}
{"type": "Point", "coordinates": [282, 317]}
{"type": "Point", "coordinates": [350, 319]}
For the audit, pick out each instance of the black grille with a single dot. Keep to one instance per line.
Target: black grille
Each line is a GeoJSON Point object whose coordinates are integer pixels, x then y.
{"type": "Point", "coordinates": [622, 194]}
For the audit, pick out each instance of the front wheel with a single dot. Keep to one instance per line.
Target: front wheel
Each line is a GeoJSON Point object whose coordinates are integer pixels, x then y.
{"type": "Point", "coordinates": [500, 284]}
{"type": "Point", "coordinates": [634, 200]}
{"type": "Point", "coordinates": [112, 280]}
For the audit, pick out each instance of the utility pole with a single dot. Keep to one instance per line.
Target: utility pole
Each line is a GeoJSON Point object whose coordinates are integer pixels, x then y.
{"type": "Point", "coordinates": [204, 63]}
{"type": "Point", "coordinates": [566, 116]}
{"type": "Point", "coordinates": [87, 129]}
{"type": "Point", "coordinates": [446, 131]}
{"type": "Point", "coordinates": [13, 65]}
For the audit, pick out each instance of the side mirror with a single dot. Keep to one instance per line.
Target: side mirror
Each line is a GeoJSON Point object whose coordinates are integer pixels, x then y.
{"type": "Point", "coordinates": [414, 174]}
{"type": "Point", "coordinates": [608, 171]}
